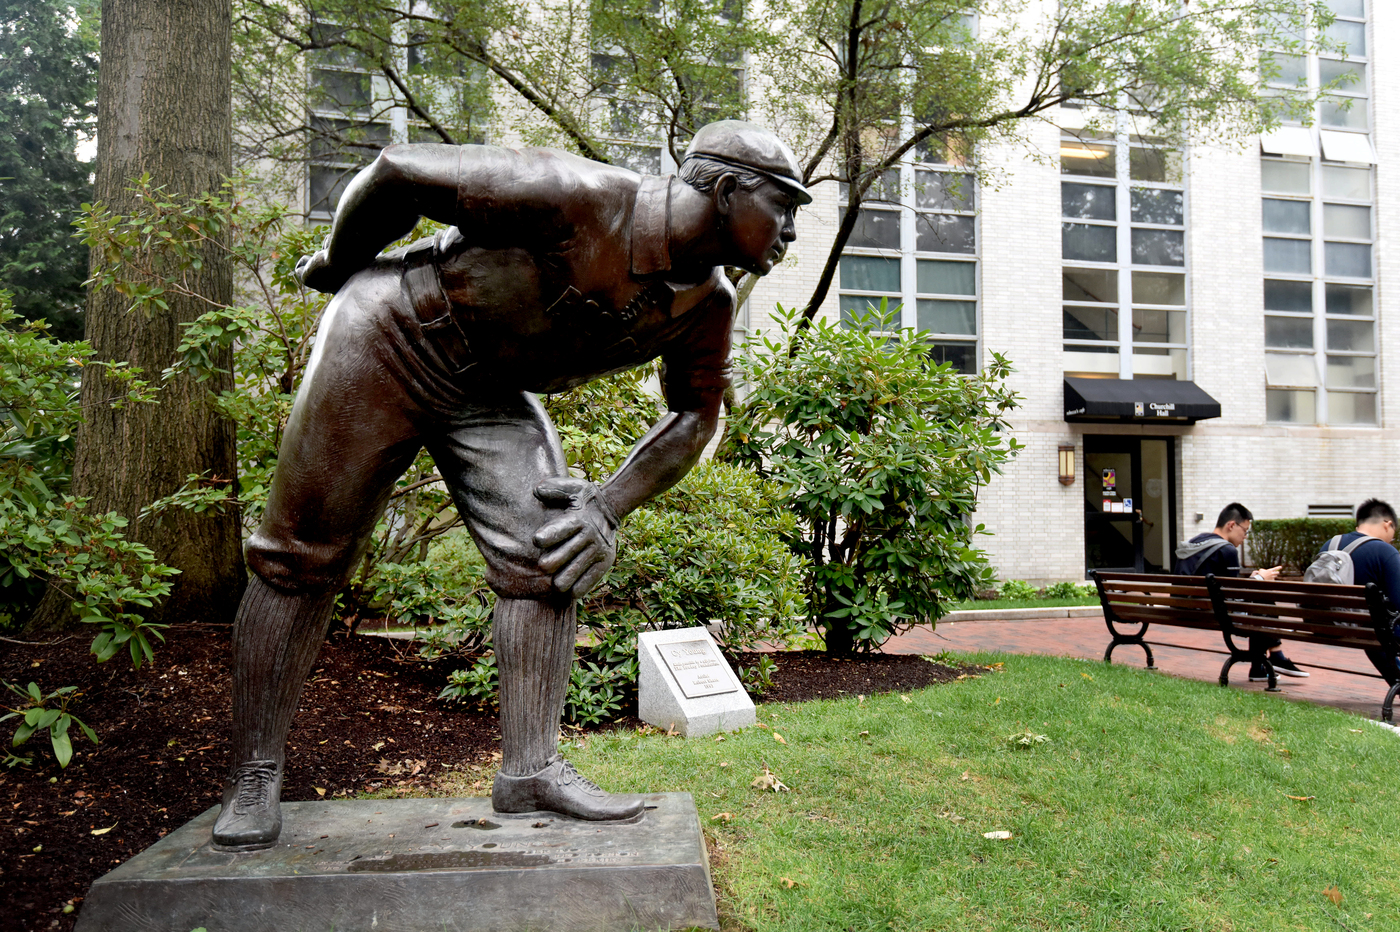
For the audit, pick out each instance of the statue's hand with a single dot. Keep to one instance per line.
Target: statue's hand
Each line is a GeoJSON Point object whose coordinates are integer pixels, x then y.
{"type": "Point", "coordinates": [315, 272]}
{"type": "Point", "coordinates": [580, 545]}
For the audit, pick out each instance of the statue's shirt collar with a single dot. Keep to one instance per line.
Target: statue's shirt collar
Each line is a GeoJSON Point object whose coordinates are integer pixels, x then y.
{"type": "Point", "coordinates": [651, 245]}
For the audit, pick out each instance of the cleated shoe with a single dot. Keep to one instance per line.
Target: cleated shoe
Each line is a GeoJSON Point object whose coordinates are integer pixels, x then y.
{"type": "Point", "coordinates": [251, 818]}
{"type": "Point", "coordinates": [560, 790]}
{"type": "Point", "coordinates": [1285, 667]}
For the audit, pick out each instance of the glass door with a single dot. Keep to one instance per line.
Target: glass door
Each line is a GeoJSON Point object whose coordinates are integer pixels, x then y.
{"type": "Point", "coordinates": [1129, 511]}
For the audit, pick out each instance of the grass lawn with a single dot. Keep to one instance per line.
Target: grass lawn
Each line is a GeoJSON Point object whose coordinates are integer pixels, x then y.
{"type": "Point", "coordinates": [998, 604]}
{"type": "Point", "coordinates": [1135, 801]}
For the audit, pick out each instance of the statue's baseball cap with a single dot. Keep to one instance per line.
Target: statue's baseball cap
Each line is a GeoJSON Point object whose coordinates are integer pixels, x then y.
{"type": "Point", "coordinates": [747, 145]}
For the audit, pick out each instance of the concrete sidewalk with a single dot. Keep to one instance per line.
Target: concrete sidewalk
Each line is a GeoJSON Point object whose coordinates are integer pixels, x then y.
{"type": "Point", "coordinates": [1088, 638]}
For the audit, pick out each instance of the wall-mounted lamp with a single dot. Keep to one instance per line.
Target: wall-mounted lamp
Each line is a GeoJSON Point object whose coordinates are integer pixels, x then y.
{"type": "Point", "coordinates": [1066, 465]}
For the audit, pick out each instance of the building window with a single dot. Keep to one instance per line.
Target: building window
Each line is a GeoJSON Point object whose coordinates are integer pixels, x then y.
{"type": "Point", "coordinates": [1318, 225]}
{"type": "Point", "coordinates": [915, 246]}
{"type": "Point", "coordinates": [354, 111]}
{"type": "Point", "coordinates": [351, 118]}
{"type": "Point", "coordinates": [1123, 244]}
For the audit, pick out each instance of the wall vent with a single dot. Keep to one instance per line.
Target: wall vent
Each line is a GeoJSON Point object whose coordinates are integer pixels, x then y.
{"type": "Point", "coordinates": [1330, 511]}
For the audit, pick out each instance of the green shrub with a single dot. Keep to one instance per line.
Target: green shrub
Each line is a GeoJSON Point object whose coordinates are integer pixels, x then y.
{"type": "Point", "coordinates": [1020, 590]}
{"type": "Point", "coordinates": [1292, 543]}
{"type": "Point", "coordinates": [1069, 590]}
{"type": "Point", "coordinates": [48, 537]}
{"type": "Point", "coordinates": [882, 454]}
{"type": "Point", "coordinates": [41, 712]}
{"type": "Point", "coordinates": [712, 549]}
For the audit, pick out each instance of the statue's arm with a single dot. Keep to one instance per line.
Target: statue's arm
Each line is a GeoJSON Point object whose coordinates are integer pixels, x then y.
{"type": "Point", "coordinates": [382, 204]}
{"type": "Point", "coordinates": [694, 380]}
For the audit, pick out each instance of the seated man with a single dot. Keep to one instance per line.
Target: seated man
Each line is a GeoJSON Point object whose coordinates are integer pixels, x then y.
{"type": "Point", "coordinates": [1371, 563]}
{"type": "Point", "coordinates": [557, 270]}
{"type": "Point", "coordinates": [1216, 553]}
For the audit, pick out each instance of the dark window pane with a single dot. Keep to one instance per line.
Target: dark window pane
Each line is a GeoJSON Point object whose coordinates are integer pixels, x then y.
{"type": "Point", "coordinates": [946, 233]}
{"type": "Point", "coordinates": [1091, 323]}
{"type": "Point", "coordinates": [1090, 285]}
{"type": "Point", "coordinates": [1287, 255]}
{"type": "Point", "coordinates": [875, 229]}
{"type": "Point", "coordinates": [326, 186]}
{"type": "Point", "coordinates": [1351, 336]}
{"type": "Point", "coordinates": [944, 191]}
{"type": "Point", "coordinates": [935, 277]}
{"type": "Point", "coordinates": [1088, 201]}
{"type": "Point", "coordinates": [1288, 332]}
{"type": "Point", "coordinates": [870, 273]}
{"type": "Point", "coordinates": [1288, 296]}
{"type": "Point", "coordinates": [1349, 299]}
{"type": "Point", "coordinates": [1287, 216]}
{"type": "Point", "coordinates": [1152, 205]}
{"type": "Point", "coordinates": [1159, 247]}
{"type": "Point", "coordinates": [1085, 243]}
{"type": "Point", "coordinates": [963, 356]}
{"type": "Point", "coordinates": [948, 316]}
{"type": "Point", "coordinates": [1351, 260]}
{"type": "Point", "coordinates": [342, 90]}
{"type": "Point", "coordinates": [1162, 165]}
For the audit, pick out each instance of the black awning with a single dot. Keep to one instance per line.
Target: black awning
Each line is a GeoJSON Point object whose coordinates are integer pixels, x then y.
{"type": "Point", "coordinates": [1137, 400]}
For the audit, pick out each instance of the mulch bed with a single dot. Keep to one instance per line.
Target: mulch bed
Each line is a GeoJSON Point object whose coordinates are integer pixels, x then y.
{"type": "Point", "coordinates": [369, 719]}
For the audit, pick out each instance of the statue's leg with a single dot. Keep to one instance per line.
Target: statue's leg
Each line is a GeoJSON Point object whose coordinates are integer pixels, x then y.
{"type": "Point", "coordinates": [276, 638]}
{"type": "Point", "coordinates": [352, 433]}
{"type": "Point", "coordinates": [534, 642]}
{"type": "Point", "coordinates": [493, 460]}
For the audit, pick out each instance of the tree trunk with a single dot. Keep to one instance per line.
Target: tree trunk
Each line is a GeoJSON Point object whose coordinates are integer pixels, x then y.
{"type": "Point", "coordinates": [163, 109]}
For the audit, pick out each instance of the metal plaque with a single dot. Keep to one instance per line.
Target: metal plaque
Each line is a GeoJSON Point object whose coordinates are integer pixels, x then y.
{"type": "Point", "coordinates": [697, 669]}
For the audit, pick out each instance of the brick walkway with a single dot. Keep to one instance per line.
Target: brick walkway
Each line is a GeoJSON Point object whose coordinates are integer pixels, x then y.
{"type": "Point", "coordinates": [1088, 638]}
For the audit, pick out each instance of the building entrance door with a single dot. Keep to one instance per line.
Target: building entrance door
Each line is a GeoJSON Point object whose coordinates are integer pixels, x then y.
{"type": "Point", "coordinates": [1129, 504]}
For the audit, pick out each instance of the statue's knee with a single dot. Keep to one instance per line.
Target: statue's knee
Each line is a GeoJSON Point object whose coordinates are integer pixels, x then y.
{"type": "Point", "coordinates": [297, 566]}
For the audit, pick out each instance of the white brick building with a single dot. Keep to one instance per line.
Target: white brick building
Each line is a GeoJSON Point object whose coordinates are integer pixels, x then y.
{"type": "Point", "coordinates": [1306, 419]}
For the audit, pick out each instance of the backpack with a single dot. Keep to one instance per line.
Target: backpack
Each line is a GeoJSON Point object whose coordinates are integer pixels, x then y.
{"type": "Point", "coordinates": [1333, 565]}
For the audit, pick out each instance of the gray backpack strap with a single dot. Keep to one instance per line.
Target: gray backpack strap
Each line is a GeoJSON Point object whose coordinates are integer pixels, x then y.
{"type": "Point", "coordinates": [1333, 543]}
{"type": "Point", "coordinates": [1356, 543]}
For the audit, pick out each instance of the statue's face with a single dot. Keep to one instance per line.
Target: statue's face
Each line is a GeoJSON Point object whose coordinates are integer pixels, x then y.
{"type": "Point", "coordinates": [761, 224]}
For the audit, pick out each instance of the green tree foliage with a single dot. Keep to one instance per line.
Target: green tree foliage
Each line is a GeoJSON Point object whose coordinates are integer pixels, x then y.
{"type": "Point", "coordinates": [882, 455]}
{"type": "Point", "coordinates": [48, 536]}
{"type": "Point", "coordinates": [856, 86]}
{"type": "Point", "coordinates": [48, 87]}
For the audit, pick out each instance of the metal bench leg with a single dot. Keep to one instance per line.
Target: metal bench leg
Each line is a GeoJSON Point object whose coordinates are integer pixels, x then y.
{"type": "Point", "coordinates": [1108, 654]}
{"type": "Point", "coordinates": [1225, 670]}
{"type": "Point", "coordinates": [1386, 707]}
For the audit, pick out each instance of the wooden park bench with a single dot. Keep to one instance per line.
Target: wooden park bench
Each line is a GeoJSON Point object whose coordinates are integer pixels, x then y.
{"type": "Point", "coordinates": [1317, 613]}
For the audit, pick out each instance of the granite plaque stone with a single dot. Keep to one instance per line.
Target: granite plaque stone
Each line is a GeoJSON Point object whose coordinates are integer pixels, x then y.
{"type": "Point", "coordinates": [413, 865]}
{"type": "Point", "coordinates": [687, 686]}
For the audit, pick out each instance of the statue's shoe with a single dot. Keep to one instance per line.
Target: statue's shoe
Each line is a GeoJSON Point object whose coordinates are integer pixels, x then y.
{"type": "Point", "coordinates": [251, 818]}
{"type": "Point", "coordinates": [560, 790]}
